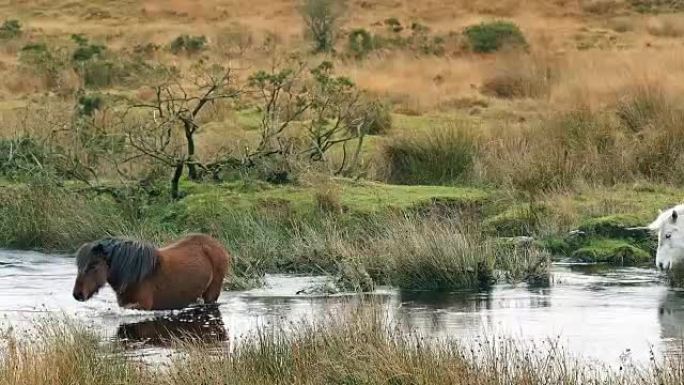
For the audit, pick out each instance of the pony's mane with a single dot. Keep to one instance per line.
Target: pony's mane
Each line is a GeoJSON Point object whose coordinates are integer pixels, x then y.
{"type": "Point", "coordinates": [665, 216]}
{"type": "Point", "coordinates": [129, 261]}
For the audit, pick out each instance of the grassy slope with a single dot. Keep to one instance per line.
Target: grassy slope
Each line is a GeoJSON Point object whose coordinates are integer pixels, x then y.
{"type": "Point", "coordinates": [358, 197]}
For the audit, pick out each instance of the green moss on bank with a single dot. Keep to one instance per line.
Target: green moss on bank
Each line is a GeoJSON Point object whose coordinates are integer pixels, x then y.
{"type": "Point", "coordinates": [613, 251]}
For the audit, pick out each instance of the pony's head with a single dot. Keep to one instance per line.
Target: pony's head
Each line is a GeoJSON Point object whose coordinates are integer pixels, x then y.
{"type": "Point", "coordinates": [670, 229]}
{"type": "Point", "coordinates": [119, 262]}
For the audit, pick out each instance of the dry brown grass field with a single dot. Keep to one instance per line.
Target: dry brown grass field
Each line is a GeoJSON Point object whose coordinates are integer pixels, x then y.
{"type": "Point", "coordinates": [598, 48]}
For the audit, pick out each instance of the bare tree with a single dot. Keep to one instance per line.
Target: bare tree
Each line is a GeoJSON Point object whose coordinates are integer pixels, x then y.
{"type": "Point", "coordinates": [284, 100]}
{"type": "Point", "coordinates": [314, 102]}
{"type": "Point", "coordinates": [177, 104]}
{"type": "Point", "coordinates": [322, 18]}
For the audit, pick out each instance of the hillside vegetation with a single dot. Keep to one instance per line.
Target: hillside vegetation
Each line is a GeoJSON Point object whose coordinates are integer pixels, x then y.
{"type": "Point", "coordinates": [314, 135]}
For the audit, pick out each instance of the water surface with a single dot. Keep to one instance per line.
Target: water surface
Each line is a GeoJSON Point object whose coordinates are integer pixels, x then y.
{"type": "Point", "coordinates": [598, 313]}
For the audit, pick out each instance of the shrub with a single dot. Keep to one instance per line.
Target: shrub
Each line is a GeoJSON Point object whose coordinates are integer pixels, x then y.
{"type": "Point", "coordinates": [655, 6]}
{"type": "Point", "coordinates": [21, 157]}
{"type": "Point", "coordinates": [360, 43]}
{"type": "Point", "coordinates": [38, 58]}
{"type": "Point", "coordinates": [188, 44]}
{"type": "Point", "coordinates": [322, 18]}
{"type": "Point", "coordinates": [440, 156]}
{"type": "Point", "coordinates": [492, 36]}
{"type": "Point", "coordinates": [374, 115]}
{"type": "Point", "coordinates": [422, 42]}
{"type": "Point", "coordinates": [84, 50]}
{"type": "Point", "coordinates": [394, 24]}
{"type": "Point", "coordinates": [88, 104]}
{"type": "Point", "coordinates": [10, 29]}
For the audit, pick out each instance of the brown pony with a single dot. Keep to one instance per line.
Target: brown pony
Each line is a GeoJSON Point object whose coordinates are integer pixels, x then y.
{"type": "Point", "coordinates": [187, 271]}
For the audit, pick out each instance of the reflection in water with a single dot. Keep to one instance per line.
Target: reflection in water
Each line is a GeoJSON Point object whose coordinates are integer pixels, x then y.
{"type": "Point", "coordinates": [671, 319]}
{"type": "Point", "coordinates": [200, 323]}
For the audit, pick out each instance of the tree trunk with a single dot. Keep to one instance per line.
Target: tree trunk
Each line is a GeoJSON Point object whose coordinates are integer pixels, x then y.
{"type": "Point", "coordinates": [177, 173]}
{"type": "Point", "coordinates": [192, 167]}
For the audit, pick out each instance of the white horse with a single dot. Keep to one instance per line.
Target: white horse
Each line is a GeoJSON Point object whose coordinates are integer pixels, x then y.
{"type": "Point", "coordinates": [670, 237]}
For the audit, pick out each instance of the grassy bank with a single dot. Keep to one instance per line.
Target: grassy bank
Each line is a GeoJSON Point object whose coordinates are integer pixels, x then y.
{"type": "Point", "coordinates": [358, 348]}
{"type": "Point", "coordinates": [363, 233]}
{"type": "Point", "coordinates": [419, 237]}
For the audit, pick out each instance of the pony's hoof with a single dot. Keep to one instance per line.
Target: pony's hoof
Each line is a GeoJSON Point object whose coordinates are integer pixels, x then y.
{"type": "Point", "coordinates": [200, 301]}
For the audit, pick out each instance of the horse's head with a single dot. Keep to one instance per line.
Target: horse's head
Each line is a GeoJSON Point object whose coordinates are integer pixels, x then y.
{"type": "Point", "coordinates": [670, 237]}
{"type": "Point", "coordinates": [93, 270]}
{"type": "Point", "coordinates": [119, 262]}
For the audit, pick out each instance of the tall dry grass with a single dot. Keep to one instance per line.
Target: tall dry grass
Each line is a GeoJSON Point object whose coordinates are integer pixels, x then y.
{"type": "Point", "coordinates": [61, 352]}
{"type": "Point", "coordinates": [638, 137]}
{"type": "Point", "coordinates": [518, 74]}
{"type": "Point", "coordinates": [358, 347]}
{"type": "Point", "coordinates": [441, 155]}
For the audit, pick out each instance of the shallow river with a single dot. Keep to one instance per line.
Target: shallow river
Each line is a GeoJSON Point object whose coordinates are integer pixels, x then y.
{"type": "Point", "coordinates": [598, 313]}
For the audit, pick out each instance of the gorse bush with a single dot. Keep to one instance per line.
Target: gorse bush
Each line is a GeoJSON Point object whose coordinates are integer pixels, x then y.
{"type": "Point", "coordinates": [10, 29]}
{"type": "Point", "coordinates": [85, 50]}
{"type": "Point", "coordinates": [188, 44]}
{"type": "Point", "coordinates": [492, 36]}
{"type": "Point", "coordinates": [439, 156]}
{"type": "Point", "coordinates": [88, 104]}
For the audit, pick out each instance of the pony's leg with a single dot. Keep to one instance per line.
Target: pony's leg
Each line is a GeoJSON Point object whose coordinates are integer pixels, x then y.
{"type": "Point", "coordinates": [141, 300]}
{"type": "Point", "coordinates": [219, 261]}
{"type": "Point", "coordinates": [214, 290]}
